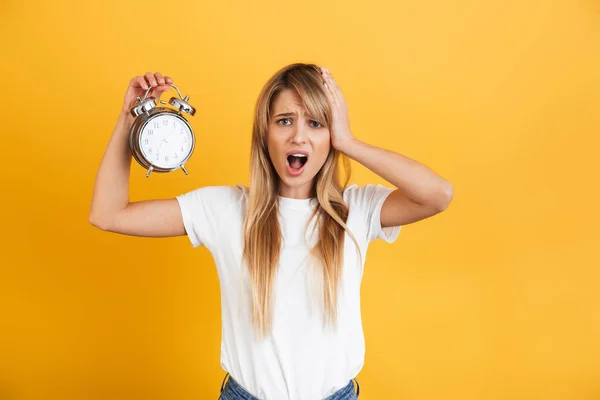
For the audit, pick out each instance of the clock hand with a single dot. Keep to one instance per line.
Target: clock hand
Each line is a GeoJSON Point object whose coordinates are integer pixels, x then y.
{"type": "Point", "coordinates": [164, 141]}
{"type": "Point", "coordinates": [171, 134]}
{"type": "Point", "coordinates": [159, 149]}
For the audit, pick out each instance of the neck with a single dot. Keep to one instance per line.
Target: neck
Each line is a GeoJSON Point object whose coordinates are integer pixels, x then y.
{"type": "Point", "coordinates": [304, 191]}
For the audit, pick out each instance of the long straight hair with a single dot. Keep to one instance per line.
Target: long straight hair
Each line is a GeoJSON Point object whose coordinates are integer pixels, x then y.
{"type": "Point", "coordinates": [262, 233]}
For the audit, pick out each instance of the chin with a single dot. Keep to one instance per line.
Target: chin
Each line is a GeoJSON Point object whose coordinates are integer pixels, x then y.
{"type": "Point", "coordinates": [296, 181]}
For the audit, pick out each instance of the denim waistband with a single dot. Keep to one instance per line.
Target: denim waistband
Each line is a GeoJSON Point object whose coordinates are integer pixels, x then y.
{"type": "Point", "coordinates": [233, 388]}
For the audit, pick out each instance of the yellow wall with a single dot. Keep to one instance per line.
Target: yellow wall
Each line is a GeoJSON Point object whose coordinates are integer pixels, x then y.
{"type": "Point", "coordinates": [496, 298]}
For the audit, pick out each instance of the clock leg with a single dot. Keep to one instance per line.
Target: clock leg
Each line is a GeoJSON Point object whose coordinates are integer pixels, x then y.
{"type": "Point", "coordinates": [184, 170]}
{"type": "Point", "coordinates": [149, 170]}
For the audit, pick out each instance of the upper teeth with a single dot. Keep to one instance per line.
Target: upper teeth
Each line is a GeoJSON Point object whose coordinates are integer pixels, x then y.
{"type": "Point", "coordinates": [298, 155]}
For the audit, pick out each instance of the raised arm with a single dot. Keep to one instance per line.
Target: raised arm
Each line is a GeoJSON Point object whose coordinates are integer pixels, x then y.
{"type": "Point", "coordinates": [110, 208]}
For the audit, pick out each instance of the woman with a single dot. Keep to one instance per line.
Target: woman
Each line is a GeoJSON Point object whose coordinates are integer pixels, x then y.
{"type": "Point", "coordinates": [290, 248]}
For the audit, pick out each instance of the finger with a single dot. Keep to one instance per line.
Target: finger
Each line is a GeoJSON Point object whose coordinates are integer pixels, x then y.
{"type": "Point", "coordinates": [161, 89]}
{"type": "Point", "coordinates": [150, 79]}
{"type": "Point", "coordinates": [159, 78]}
{"type": "Point", "coordinates": [331, 82]}
{"type": "Point", "coordinates": [324, 77]}
{"type": "Point", "coordinates": [328, 86]}
{"type": "Point", "coordinates": [335, 88]}
{"type": "Point", "coordinates": [137, 82]}
{"type": "Point", "coordinates": [168, 80]}
{"type": "Point", "coordinates": [141, 82]}
{"type": "Point", "coordinates": [327, 90]}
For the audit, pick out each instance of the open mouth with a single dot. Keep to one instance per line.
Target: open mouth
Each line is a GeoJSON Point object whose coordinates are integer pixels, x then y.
{"type": "Point", "coordinates": [297, 161]}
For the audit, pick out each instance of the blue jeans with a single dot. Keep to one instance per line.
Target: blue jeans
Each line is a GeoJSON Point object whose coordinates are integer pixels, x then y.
{"type": "Point", "coordinates": [233, 391]}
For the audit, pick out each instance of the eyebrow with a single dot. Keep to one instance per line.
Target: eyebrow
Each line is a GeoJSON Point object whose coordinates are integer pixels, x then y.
{"type": "Point", "coordinates": [284, 114]}
{"type": "Point", "coordinates": [290, 114]}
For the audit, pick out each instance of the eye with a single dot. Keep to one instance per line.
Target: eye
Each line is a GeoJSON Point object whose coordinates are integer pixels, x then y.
{"type": "Point", "coordinates": [315, 125]}
{"type": "Point", "coordinates": [283, 119]}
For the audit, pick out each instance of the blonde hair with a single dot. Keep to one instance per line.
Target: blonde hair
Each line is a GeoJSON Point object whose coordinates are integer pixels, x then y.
{"type": "Point", "coordinates": [262, 233]}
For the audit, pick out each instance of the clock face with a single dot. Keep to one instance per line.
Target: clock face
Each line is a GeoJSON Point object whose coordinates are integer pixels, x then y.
{"type": "Point", "coordinates": [166, 141]}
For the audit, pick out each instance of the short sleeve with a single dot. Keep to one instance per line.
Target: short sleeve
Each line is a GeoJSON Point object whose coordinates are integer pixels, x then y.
{"type": "Point", "coordinates": [366, 202]}
{"type": "Point", "coordinates": [203, 209]}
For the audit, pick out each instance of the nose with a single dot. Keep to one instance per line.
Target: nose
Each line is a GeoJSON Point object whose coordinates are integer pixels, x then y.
{"type": "Point", "coordinates": [299, 135]}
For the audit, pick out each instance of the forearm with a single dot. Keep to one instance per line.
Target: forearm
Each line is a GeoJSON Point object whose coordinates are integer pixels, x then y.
{"type": "Point", "coordinates": [111, 188]}
{"type": "Point", "coordinates": [415, 180]}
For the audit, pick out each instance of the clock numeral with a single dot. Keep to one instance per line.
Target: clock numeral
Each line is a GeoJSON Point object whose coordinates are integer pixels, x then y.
{"type": "Point", "coordinates": [146, 141]}
{"type": "Point", "coordinates": [156, 124]}
{"type": "Point", "coordinates": [150, 151]}
{"type": "Point", "coordinates": [165, 122]}
{"type": "Point", "coordinates": [167, 158]}
{"type": "Point", "coordinates": [182, 149]}
{"type": "Point", "coordinates": [150, 132]}
{"type": "Point", "coordinates": [176, 156]}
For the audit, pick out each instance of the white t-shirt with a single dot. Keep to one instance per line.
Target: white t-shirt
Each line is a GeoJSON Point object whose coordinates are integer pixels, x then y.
{"type": "Point", "coordinates": [301, 359]}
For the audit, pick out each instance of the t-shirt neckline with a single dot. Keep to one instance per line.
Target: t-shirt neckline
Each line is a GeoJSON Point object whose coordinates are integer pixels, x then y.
{"type": "Point", "coordinates": [289, 202]}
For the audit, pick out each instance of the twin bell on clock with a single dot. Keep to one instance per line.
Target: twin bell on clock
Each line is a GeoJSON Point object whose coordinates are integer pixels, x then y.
{"type": "Point", "coordinates": [160, 138]}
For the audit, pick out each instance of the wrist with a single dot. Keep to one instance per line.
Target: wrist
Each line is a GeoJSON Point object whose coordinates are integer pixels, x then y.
{"type": "Point", "coordinates": [125, 112]}
{"type": "Point", "coordinates": [124, 122]}
{"type": "Point", "coordinates": [345, 144]}
{"type": "Point", "coordinates": [126, 117]}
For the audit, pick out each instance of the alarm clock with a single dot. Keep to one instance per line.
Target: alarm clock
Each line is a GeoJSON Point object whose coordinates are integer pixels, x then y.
{"type": "Point", "coordinates": [160, 138]}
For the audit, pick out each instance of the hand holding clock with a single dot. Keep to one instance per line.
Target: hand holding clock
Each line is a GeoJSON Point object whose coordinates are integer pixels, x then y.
{"type": "Point", "coordinates": [148, 117]}
{"type": "Point", "coordinates": [139, 84]}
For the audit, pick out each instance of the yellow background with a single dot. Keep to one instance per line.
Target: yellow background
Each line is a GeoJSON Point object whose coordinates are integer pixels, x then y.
{"type": "Point", "coordinates": [496, 298]}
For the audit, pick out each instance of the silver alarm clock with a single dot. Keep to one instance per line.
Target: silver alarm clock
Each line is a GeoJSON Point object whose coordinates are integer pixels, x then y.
{"type": "Point", "coordinates": [160, 138]}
